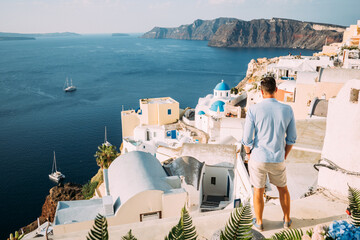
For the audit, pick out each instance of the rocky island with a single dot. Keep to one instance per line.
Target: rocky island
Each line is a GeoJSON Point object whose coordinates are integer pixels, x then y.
{"type": "Point", "coordinates": [120, 34]}
{"type": "Point", "coordinates": [275, 33]}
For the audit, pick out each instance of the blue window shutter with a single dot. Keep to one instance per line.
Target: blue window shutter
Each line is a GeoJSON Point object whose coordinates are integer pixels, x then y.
{"type": "Point", "coordinates": [169, 111]}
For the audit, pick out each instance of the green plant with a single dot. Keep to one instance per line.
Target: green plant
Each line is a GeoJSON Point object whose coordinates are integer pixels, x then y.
{"type": "Point", "coordinates": [98, 177]}
{"type": "Point", "coordinates": [129, 236]}
{"type": "Point", "coordinates": [88, 189]}
{"type": "Point", "coordinates": [293, 234]}
{"type": "Point", "coordinates": [99, 231]}
{"type": "Point", "coordinates": [254, 86]}
{"type": "Point", "coordinates": [184, 229]}
{"type": "Point", "coordinates": [105, 155]}
{"type": "Point", "coordinates": [16, 237]}
{"type": "Point", "coordinates": [310, 232]}
{"type": "Point", "coordinates": [234, 90]}
{"type": "Point", "coordinates": [349, 47]}
{"type": "Point", "coordinates": [239, 224]}
{"type": "Point", "coordinates": [354, 204]}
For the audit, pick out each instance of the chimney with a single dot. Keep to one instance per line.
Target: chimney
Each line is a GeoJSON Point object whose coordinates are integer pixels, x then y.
{"type": "Point", "coordinates": [106, 181]}
{"type": "Point", "coordinates": [108, 205]}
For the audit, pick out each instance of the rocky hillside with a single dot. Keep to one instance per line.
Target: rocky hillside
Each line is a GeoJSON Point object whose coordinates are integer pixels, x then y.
{"type": "Point", "coordinates": [62, 192]}
{"type": "Point", "coordinates": [275, 32]}
{"type": "Point", "coordinates": [199, 30]}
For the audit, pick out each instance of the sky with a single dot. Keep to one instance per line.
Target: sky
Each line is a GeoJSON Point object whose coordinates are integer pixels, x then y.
{"type": "Point", "coordinates": [138, 16]}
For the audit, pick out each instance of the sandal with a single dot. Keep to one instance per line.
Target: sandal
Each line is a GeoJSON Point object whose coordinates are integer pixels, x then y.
{"type": "Point", "coordinates": [287, 224]}
{"type": "Point", "coordinates": [257, 226]}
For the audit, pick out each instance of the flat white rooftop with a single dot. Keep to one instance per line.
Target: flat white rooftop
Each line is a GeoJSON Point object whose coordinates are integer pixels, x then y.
{"type": "Point", "coordinates": [164, 100]}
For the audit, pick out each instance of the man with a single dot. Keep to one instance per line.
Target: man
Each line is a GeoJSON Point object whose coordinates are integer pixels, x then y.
{"type": "Point", "coordinates": [266, 147]}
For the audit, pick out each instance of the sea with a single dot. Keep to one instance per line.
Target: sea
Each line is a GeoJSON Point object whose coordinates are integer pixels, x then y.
{"type": "Point", "coordinates": [111, 73]}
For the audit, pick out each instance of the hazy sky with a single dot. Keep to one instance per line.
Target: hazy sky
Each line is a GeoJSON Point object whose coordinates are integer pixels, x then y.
{"type": "Point", "coordinates": [108, 16]}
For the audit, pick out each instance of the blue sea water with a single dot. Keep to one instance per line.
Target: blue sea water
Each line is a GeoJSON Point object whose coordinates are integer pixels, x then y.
{"type": "Point", "coordinates": [37, 116]}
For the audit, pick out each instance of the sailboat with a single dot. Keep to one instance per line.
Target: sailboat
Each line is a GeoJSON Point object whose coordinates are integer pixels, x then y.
{"type": "Point", "coordinates": [106, 143]}
{"type": "Point", "coordinates": [55, 174]}
{"type": "Point", "coordinates": [69, 87]}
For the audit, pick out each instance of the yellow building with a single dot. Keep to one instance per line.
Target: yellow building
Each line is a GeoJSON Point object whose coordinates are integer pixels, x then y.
{"type": "Point", "coordinates": [158, 111]}
{"type": "Point", "coordinates": [153, 111]}
{"type": "Point", "coordinates": [352, 35]}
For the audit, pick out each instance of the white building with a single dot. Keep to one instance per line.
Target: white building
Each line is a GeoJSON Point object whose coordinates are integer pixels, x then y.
{"type": "Point", "coordinates": [288, 67]}
{"type": "Point", "coordinates": [214, 104]}
{"type": "Point", "coordinates": [154, 124]}
{"type": "Point", "coordinates": [342, 141]}
{"type": "Point", "coordinates": [140, 190]}
{"type": "Point", "coordinates": [214, 175]}
{"type": "Point", "coordinates": [212, 110]}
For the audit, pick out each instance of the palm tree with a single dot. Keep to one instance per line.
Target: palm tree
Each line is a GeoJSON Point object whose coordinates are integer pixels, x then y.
{"type": "Point", "coordinates": [129, 236]}
{"type": "Point", "coordinates": [239, 224]}
{"type": "Point", "coordinates": [293, 234]}
{"type": "Point", "coordinates": [17, 236]}
{"type": "Point", "coordinates": [99, 231]}
{"type": "Point", "coordinates": [354, 203]}
{"type": "Point", "coordinates": [184, 230]}
{"type": "Point", "coordinates": [105, 155]}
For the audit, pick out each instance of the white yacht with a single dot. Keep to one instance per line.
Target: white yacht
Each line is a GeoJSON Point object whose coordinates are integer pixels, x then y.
{"type": "Point", "coordinates": [69, 87]}
{"type": "Point", "coordinates": [55, 174]}
{"type": "Point", "coordinates": [105, 139]}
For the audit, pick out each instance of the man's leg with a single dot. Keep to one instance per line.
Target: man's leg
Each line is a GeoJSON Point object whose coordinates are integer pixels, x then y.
{"type": "Point", "coordinates": [259, 204]}
{"type": "Point", "coordinates": [285, 202]}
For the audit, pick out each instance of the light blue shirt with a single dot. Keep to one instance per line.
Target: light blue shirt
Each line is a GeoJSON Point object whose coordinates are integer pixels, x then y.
{"type": "Point", "coordinates": [265, 127]}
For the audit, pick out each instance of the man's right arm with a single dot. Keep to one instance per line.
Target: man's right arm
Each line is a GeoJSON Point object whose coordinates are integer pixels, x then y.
{"type": "Point", "coordinates": [287, 150]}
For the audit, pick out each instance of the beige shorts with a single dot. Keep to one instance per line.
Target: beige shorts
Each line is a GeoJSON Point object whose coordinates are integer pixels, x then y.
{"type": "Point", "coordinates": [275, 171]}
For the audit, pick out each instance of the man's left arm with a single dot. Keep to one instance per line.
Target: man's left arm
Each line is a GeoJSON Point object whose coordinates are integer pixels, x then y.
{"type": "Point", "coordinates": [248, 136]}
{"type": "Point", "coordinates": [290, 135]}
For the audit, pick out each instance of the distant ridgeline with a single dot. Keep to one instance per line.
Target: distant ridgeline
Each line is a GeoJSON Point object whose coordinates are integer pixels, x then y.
{"type": "Point", "coordinates": [15, 38]}
{"type": "Point", "coordinates": [32, 36]}
{"type": "Point", "coordinates": [275, 32]}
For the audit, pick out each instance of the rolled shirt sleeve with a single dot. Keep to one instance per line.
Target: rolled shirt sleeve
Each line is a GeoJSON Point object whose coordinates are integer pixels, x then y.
{"type": "Point", "coordinates": [291, 131]}
{"type": "Point", "coordinates": [248, 137]}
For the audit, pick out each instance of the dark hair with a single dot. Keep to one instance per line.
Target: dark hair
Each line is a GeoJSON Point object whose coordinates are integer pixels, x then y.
{"type": "Point", "coordinates": [268, 84]}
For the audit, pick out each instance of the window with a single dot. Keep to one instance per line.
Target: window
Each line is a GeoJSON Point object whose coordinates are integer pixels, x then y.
{"type": "Point", "coordinates": [213, 180]}
{"type": "Point", "coordinates": [169, 111]}
{"type": "Point", "coordinates": [150, 216]}
{"type": "Point", "coordinates": [154, 134]}
{"type": "Point", "coordinates": [354, 95]}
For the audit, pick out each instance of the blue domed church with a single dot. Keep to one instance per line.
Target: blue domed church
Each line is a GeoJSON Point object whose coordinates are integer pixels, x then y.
{"type": "Point", "coordinates": [213, 105]}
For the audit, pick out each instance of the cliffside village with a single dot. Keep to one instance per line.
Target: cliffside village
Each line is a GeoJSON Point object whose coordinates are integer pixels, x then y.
{"type": "Point", "coordinates": [173, 157]}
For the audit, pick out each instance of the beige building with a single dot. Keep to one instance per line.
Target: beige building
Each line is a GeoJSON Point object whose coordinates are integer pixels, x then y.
{"type": "Point", "coordinates": [324, 84]}
{"type": "Point", "coordinates": [352, 35]}
{"type": "Point", "coordinates": [140, 190]}
{"type": "Point", "coordinates": [158, 111]}
{"type": "Point", "coordinates": [153, 111]}
{"type": "Point", "coordinates": [330, 50]}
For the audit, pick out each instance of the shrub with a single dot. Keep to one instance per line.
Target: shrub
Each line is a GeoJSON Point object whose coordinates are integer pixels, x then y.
{"type": "Point", "coordinates": [234, 90]}
{"type": "Point", "coordinates": [88, 189]}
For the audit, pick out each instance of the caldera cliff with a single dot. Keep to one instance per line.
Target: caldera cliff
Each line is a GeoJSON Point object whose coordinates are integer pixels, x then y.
{"type": "Point", "coordinates": [274, 33]}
